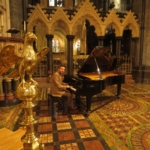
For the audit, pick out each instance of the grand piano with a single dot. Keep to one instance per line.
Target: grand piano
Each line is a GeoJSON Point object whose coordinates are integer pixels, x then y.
{"type": "Point", "coordinates": [96, 73]}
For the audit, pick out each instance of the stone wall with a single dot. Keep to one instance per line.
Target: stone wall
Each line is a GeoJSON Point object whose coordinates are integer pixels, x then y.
{"type": "Point", "coordinates": [16, 17]}
{"type": "Point", "coordinates": [141, 68]}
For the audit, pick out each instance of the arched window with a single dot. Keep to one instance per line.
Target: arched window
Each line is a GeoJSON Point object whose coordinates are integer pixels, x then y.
{"type": "Point", "coordinates": [78, 47]}
{"type": "Point", "coordinates": [55, 45]}
{"type": "Point", "coordinates": [56, 3]}
{"type": "Point", "coordinates": [75, 2]}
{"type": "Point", "coordinates": [120, 5]}
{"type": "Point", "coordinates": [51, 2]}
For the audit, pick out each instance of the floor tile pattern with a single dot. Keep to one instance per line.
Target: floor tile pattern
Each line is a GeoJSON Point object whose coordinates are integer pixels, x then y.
{"type": "Point", "coordinates": [73, 131]}
{"type": "Point", "coordinates": [124, 122]}
{"type": "Point", "coordinates": [120, 123]}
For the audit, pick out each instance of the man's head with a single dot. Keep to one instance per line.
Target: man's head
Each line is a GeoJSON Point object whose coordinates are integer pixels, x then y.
{"type": "Point", "coordinates": [61, 69]}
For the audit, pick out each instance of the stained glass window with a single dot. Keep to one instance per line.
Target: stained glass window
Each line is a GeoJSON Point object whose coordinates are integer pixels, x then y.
{"type": "Point", "coordinates": [56, 3]}
{"type": "Point", "coordinates": [55, 45]}
{"type": "Point", "coordinates": [51, 2]}
{"type": "Point", "coordinates": [59, 3]}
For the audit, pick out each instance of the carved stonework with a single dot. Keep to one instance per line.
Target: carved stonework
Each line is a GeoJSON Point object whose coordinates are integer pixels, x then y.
{"type": "Point", "coordinates": [2, 9]}
{"type": "Point", "coordinates": [60, 20]}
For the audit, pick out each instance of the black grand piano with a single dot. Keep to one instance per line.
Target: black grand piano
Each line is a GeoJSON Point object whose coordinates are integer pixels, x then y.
{"type": "Point", "coordinates": [96, 73]}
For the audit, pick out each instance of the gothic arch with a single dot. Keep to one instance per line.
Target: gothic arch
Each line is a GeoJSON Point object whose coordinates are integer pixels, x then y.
{"type": "Point", "coordinates": [92, 21]}
{"type": "Point", "coordinates": [35, 22]}
{"type": "Point", "coordinates": [131, 22]}
{"type": "Point", "coordinates": [133, 28]}
{"type": "Point", "coordinates": [41, 30]}
{"type": "Point", "coordinates": [61, 25]}
{"type": "Point", "coordinates": [115, 27]}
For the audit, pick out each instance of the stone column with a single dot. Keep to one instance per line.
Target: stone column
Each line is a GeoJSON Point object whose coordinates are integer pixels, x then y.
{"type": "Point", "coordinates": [9, 95]}
{"type": "Point", "coordinates": [50, 53]}
{"type": "Point", "coordinates": [142, 31]}
{"type": "Point", "coordinates": [70, 53]}
{"type": "Point", "coordinates": [118, 46]}
{"type": "Point", "coordinates": [15, 83]}
{"type": "Point", "coordinates": [2, 97]}
{"type": "Point", "coordinates": [100, 40]}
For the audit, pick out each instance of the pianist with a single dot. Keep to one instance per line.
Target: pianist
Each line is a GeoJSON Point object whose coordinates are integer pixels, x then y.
{"type": "Point", "coordinates": [59, 88]}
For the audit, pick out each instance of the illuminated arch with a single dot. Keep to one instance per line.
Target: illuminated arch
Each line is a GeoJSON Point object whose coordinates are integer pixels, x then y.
{"type": "Point", "coordinates": [93, 22]}
{"type": "Point", "coordinates": [59, 25]}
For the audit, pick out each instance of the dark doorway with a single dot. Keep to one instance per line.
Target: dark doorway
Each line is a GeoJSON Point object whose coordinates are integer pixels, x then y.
{"type": "Point", "coordinates": [126, 42]}
{"type": "Point", "coordinates": [91, 37]}
{"type": "Point", "coordinates": [110, 40]}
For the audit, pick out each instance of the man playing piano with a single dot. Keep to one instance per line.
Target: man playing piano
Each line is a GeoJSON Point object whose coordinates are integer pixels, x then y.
{"type": "Point", "coordinates": [59, 88]}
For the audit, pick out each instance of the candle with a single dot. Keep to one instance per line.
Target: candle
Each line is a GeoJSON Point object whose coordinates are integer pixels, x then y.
{"type": "Point", "coordinates": [2, 21]}
{"type": "Point", "coordinates": [24, 25]}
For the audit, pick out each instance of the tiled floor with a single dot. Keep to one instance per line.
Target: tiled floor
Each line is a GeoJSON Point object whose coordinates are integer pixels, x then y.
{"type": "Point", "coordinates": [122, 123]}
{"type": "Point", "coordinates": [73, 131]}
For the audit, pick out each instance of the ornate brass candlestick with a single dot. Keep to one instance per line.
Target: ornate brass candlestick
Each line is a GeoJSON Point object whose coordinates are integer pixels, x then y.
{"type": "Point", "coordinates": [27, 91]}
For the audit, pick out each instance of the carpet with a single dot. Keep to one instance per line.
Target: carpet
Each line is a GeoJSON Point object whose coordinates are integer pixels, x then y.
{"type": "Point", "coordinates": [121, 123]}
{"type": "Point", "coordinates": [9, 116]}
{"type": "Point", "coordinates": [124, 123]}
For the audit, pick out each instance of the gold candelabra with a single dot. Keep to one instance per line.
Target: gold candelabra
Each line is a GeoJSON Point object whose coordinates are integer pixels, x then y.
{"type": "Point", "coordinates": [27, 91]}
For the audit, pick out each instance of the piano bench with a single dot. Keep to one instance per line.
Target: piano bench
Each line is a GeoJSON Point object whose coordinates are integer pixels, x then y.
{"type": "Point", "coordinates": [61, 107]}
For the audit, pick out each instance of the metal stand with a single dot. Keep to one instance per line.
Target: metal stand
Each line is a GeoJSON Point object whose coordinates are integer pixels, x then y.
{"type": "Point", "coordinates": [28, 93]}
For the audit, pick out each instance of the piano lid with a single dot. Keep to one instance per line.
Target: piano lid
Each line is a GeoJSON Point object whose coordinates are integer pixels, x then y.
{"type": "Point", "coordinates": [100, 57]}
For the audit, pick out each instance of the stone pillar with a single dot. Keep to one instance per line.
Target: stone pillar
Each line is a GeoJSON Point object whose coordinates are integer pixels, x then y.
{"type": "Point", "coordinates": [134, 50]}
{"type": "Point", "coordinates": [2, 96]}
{"type": "Point", "coordinates": [70, 53]}
{"type": "Point", "coordinates": [15, 83]}
{"type": "Point", "coordinates": [141, 9]}
{"type": "Point", "coordinates": [50, 53]}
{"type": "Point", "coordinates": [142, 31]}
{"type": "Point", "coordinates": [118, 46]}
{"type": "Point", "coordinates": [100, 40]}
{"type": "Point", "coordinates": [24, 6]}
{"type": "Point", "coordinates": [9, 95]}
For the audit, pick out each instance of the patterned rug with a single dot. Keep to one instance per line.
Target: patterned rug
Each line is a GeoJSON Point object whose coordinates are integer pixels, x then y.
{"type": "Point", "coordinates": [9, 116]}
{"type": "Point", "coordinates": [125, 122]}
{"type": "Point", "coordinates": [121, 123]}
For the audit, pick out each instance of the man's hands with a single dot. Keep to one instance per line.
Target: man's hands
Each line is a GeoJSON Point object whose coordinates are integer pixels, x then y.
{"type": "Point", "coordinates": [68, 86]}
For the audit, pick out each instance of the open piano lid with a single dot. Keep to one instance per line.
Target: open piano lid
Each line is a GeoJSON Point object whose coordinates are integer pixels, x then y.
{"type": "Point", "coordinates": [100, 59]}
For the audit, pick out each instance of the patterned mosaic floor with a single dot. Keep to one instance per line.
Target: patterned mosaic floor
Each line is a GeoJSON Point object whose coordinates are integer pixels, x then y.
{"type": "Point", "coordinates": [118, 124]}
{"type": "Point", "coordinates": [125, 122]}
{"type": "Point", "coordinates": [67, 132]}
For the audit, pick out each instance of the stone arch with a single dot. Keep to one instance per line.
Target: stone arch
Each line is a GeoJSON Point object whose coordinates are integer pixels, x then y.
{"type": "Point", "coordinates": [42, 29]}
{"type": "Point", "coordinates": [92, 21]}
{"type": "Point", "coordinates": [35, 22]}
{"type": "Point", "coordinates": [61, 25]}
{"type": "Point", "coordinates": [133, 28]}
{"type": "Point", "coordinates": [115, 27]}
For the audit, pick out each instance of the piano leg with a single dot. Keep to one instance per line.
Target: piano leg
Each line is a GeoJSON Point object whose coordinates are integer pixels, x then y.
{"type": "Point", "coordinates": [118, 89]}
{"type": "Point", "coordinates": [88, 104]}
{"type": "Point", "coordinates": [77, 100]}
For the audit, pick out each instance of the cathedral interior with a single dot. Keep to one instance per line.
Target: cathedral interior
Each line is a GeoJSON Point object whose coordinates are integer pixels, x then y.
{"type": "Point", "coordinates": [109, 37]}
